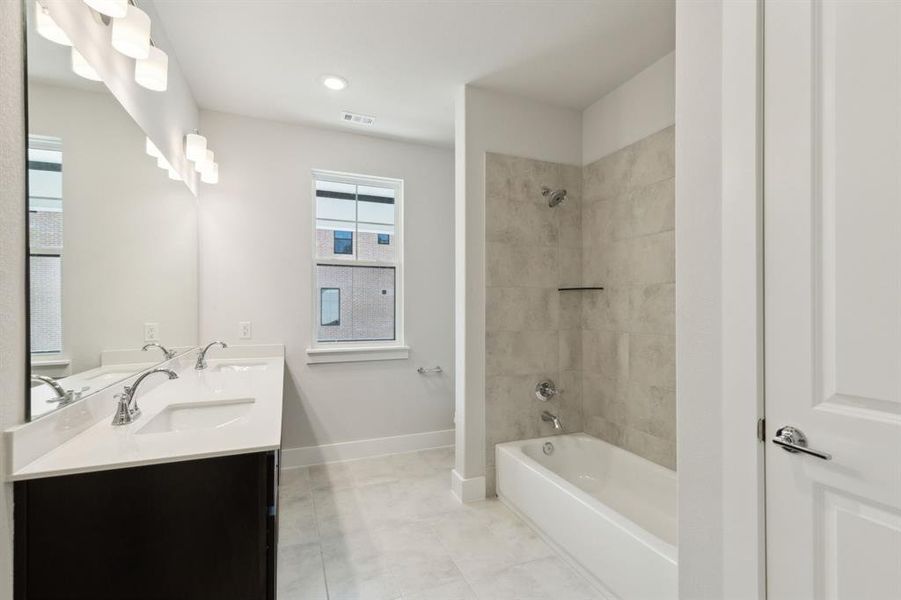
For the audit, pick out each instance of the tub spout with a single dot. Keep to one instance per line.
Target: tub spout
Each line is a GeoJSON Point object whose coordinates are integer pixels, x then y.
{"type": "Point", "coordinates": [549, 418]}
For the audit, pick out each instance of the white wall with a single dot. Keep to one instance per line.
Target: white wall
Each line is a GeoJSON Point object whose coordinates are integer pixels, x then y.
{"type": "Point", "coordinates": [130, 233]}
{"type": "Point", "coordinates": [490, 122]}
{"type": "Point", "coordinates": [643, 105]}
{"type": "Point", "coordinates": [256, 265]}
{"type": "Point", "coordinates": [12, 259]}
{"type": "Point", "coordinates": [718, 318]}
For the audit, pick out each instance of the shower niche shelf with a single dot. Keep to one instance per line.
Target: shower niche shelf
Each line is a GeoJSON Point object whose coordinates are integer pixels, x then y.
{"type": "Point", "coordinates": [578, 288]}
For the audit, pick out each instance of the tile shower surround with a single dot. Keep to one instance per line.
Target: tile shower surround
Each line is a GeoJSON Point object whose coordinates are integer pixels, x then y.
{"type": "Point", "coordinates": [532, 330]}
{"type": "Point", "coordinates": [610, 352]}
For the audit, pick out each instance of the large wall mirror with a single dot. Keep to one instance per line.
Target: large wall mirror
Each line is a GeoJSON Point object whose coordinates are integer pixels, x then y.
{"type": "Point", "coordinates": [113, 240]}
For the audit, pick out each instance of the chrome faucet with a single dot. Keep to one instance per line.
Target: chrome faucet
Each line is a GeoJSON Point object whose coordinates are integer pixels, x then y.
{"type": "Point", "coordinates": [128, 411]}
{"type": "Point", "coordinates": [201, 358]}
{"type": "Point", "coordinates": [549, 418]}
{"type": "Point", "coordinates": [166, 352]}
{"type": "Point", "coordinates": [63, 396]}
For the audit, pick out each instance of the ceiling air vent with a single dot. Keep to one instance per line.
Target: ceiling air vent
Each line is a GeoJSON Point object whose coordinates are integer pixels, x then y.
{"type": "Point", "coordinates": [357, 119]}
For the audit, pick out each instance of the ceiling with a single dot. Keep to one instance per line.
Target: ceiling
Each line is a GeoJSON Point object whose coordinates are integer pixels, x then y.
{"type": "Point", "coordinates": [404, 59]}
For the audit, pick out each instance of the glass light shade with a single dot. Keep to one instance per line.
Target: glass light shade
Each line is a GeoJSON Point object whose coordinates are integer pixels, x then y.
{"type": "Point", "coordinates": [162, 163]}
{"type": "Point", "coordinates": [131, 33]}
{"type": "Point", "coordinates": [195, 147]}
{"type": "Point", "coordinates": [210, 174]}
{"type": "Point", "coordinates": [82, 67]}
{"type": "Point", "coordinates": [153, 72]}
{"type": "Point", "coordinates": [202, 165]}
{"type": "Point", "coordinates": [151, 149]}
{"type": "Point", "coordinates": [47, 27]}
{"type": "Point", "coordinates": [111, 8]}
{"type": "Point", "coordinates": [173, 175]}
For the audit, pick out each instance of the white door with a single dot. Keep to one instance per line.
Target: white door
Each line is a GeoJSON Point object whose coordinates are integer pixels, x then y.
{"type": "Point", "coordinates": [832, 206]}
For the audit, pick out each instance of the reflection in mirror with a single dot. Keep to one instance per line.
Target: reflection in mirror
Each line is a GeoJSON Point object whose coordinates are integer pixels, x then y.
{"type": "Point", "coordinates": [113, 241]}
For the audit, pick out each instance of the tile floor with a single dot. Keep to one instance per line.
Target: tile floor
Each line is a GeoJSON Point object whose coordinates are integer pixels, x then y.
{"type": "Point", "coordinates": [388, 528]}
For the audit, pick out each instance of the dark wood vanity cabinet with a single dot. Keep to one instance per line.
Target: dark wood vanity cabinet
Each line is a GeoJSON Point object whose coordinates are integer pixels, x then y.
{"type": "Point", "coordinates": [193, 530]}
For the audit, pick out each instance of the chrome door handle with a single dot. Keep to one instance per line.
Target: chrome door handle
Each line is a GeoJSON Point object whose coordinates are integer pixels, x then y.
{"type": "Point", "coordinates": [793, 440]}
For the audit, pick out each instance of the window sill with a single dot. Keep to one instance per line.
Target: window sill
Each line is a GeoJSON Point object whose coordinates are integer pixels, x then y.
{"type": "Point", "coordinates": [356, 354]}
{"type": "Point", "coordinates": [49, 362]}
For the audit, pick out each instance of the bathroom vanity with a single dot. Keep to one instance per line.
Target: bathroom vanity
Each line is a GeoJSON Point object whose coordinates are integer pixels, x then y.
{"type": "Point", "coordinates": [128, 484]}
{"type": "Point", "coordinates": [196, 529]}
{"type": "Point", "coordinates": [180, 503]}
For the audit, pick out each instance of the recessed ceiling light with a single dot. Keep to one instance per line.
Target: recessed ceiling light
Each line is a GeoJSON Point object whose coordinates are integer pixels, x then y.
{"type": "Point", "coordinates": [333, 82]}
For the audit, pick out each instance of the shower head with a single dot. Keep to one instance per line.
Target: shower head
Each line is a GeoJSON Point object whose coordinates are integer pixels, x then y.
{"type": "Point", "coordinates": [554, 197]}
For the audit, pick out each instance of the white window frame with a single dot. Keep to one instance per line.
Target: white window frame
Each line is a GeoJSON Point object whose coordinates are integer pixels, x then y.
{"type": "Point", "coordinates": [351, 351]}
{"type": "Point", "coordinates": [51, 358]}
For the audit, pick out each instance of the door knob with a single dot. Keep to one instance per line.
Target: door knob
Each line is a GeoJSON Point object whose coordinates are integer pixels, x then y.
{"type": "Point", "coordinates": [793, 440]}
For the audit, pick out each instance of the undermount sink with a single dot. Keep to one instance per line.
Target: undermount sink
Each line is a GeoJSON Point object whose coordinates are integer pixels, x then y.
{"type": "Point", "coordinates": [189, 416]}
{"type": "Point", "coordinates": [110, 376]}
{"type": "Point", "coordinates": [230, 367]}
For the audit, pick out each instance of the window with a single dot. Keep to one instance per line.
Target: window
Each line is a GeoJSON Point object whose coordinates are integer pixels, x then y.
{"type": "Point", "coordinates": [344, 242]}
{"type": "Point", "coordinates": [357, 266]}
{"type": "Point", "coordinates": [330, 303]}
{"type": "Point", "coordinates": [45, 241]}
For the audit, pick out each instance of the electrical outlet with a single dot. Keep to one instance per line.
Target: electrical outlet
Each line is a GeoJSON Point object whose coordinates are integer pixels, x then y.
{"type": "Point", "coordinates": [245, 331]}
{"type": "Point", "coordinates": [151, 332]}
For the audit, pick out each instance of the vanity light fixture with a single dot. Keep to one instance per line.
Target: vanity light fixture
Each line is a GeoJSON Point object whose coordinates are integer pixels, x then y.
{"type": "Point", "coordinates": [82, 67]}
{"type": "Point", "coordinates": [210, 174]}
{"type": "Point", "coordinates": [195, 146]}
{"type": "Point", "coordinates": [111, 8]}
{"type": "Point", "coordinates": [151, 149]}
{"type": "Point", "coordinates": [152, 72]}
{"type": "Point", "coordinates": [47, 27]}
{"type": "Point", "coordinates": [202, 165]}
{"type": "Point", "coordinates": [131, 33]}
{"type": "Point", "coordinates": [333, 82]}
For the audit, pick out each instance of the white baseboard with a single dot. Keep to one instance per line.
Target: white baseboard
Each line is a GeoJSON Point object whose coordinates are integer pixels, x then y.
{"type": "Point", "coordinates": [467, 490]}
{"type": "Point", "coordinates": [328, 453]}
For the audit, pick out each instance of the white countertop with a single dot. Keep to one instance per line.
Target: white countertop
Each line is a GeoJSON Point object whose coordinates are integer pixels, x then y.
{"type": "Point", "coordinates": [102, 446]}
{"type": "Point", "coordinates": [87, 382]}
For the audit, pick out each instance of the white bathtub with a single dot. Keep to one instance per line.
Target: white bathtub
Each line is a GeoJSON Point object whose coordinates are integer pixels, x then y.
{"type": "Point", "coordinates": [612, 513]}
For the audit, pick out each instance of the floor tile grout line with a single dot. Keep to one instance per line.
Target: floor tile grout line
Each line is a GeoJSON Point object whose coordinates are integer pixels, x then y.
{"type": "Point", "coordinates": [429, 521]}
{"type": "Point", "coordinates": [318, 536]}
{"type": "Point", "coordinates": [469, 584]}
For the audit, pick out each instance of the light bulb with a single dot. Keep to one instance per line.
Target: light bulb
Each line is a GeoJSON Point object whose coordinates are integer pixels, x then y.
{"type": "Point", "coordinates": [333, 82]}
{"type": "Point", "coordinates": [131, 33]}
{"type": "Point", "coordinates": [47, 27]}
{"type": "Point", "coordinates": [153, 72]}
{"type": "Point", "coordinates": [202, 165]}
{"type": "Point", "coordinates": [210, 174]}
{"type": "Point", "coordinates": [195, 147]}
{"type": "Point", "coordinates": [82, 67]}
{"type": "Point", "coordinates": [111, 8]}
{"type": "Point", "coordinates": [151, 149]}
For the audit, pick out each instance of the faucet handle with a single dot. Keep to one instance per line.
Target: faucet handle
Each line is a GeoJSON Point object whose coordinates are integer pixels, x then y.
{"type": "Point", "coordinates": [545, 390]}
{"type": "Point", "coordinates": [70, 396]}
{"type": "Point", "coordinates": [123, 416]}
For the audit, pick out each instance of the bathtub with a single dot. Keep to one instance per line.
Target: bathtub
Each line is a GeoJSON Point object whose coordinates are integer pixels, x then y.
{"type": "Point", "coordinates": [610, 512]}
